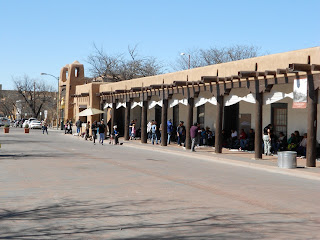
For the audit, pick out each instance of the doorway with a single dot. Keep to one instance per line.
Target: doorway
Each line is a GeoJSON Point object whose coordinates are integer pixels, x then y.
{"type": "Point", "coordinates": [120, 112]}
{"type": "Point", "coordinates": [157, 116]}
{"type": "Point", "coordinates": [231, 118]}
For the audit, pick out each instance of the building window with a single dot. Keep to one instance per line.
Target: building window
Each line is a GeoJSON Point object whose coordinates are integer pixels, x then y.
{"type": "Point", "coordinates": [200, 115]}
{"type": "Point", "coordinates": [279, 118]}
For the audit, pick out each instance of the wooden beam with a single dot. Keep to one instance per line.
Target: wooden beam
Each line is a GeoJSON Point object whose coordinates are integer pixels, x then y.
{"type": "Point", "coordinates": [300, 67]}
{"type": "Point", "coordinates": [144, 134]}
{"type": "Point", "coordinates": [164, 118]}
{"type": "Point", "coordinates": [209, 79]}
{"type": "Point", "coordinates": [235, 77]}
{"type": "Point", "coordinates": [247, 74]}
{"type": "Point", "coordinates": [181, 83]}
{"type": "Point", "coordinates": [312, 122]}
{"type": "Point", "coordinates": [120, 91]}
{"type": "Point", "coordinates": [281, 71]}
{"type": "Point", "coordinates": [315, 67]}
{"type": "Point", "coordinates": [260, 74]}
{"type": "Point", "coordinates": [268, 72]}
{"type": "Point", "coordinates": [136, 89]}
{"type": "Point", "coordinates": [127, 120]}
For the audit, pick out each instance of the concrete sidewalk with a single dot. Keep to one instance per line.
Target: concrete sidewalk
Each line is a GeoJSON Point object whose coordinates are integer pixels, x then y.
{"type": "Point", "coordinates": [233, 157]}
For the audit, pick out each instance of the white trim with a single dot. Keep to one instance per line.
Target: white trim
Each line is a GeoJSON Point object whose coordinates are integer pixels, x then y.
{"type": "Point", "coordinates": [174, 102]}
{"type": "Point", "coordinates": [135, 104]}
{"type": "Point", "coordinates": [153, 103]}
{"type": "Point", "coordinates": [120, 104]}
{"type": "Point", "coordinates": [273, 97]}
{"type": "Point", "coordinates": [108, 105]}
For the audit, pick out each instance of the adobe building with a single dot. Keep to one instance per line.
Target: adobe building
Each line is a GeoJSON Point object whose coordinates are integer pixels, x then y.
{"type": "Point", "coordinates": [71, 75]}
{"type": "Point", "coordinates": [249, 93]}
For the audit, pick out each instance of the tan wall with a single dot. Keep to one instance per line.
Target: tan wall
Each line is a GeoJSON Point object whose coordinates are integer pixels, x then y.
{"type": "Point", "coordinates": [269, 62]}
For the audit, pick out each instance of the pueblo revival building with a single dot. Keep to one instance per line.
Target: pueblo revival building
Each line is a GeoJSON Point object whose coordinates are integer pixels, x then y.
{"type": "Point", "coordinates": [250, 93]}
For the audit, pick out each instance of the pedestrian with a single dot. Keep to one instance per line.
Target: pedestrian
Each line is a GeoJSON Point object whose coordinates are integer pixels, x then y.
{"type": "Point", "coordinates": [94, 128]}
{"type": "Point", "coordinates": [267, 139]}
{"type": "Point", "coordinates": [44, 126]}
{"type": "Point", "coordinates": [102, 129]}
{"type": "Point", "coordinates": [78, 125]}
{"type": "Point", "coordinates": [149, 129]}
{"type": "Point", "coordinates": [193, 136]}
{"type": "Point", "coordinates": [66, 127]}
{"type": "Point", "coordinates": [181, 133]}
{"type": "Point", "coordinates": [87, 130]}
{"type": "Point", "coordinates": [116, 135]}
{"type": "Point", "coordinates": [154, 132]}
{"type": "Point", "coordinates": [169, 130]}
{"type": "Point", "coordinates": [133, 131]}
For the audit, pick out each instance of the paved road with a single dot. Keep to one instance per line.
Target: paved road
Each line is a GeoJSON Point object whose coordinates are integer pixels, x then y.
{"type": "Point", "coordinates": [61, 187]}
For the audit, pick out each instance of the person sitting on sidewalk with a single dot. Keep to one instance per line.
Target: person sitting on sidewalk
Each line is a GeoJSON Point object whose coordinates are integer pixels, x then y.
{"type": "Point", "coordinates": [292, 142]}
{"type": "Point", "coordinates": [281, 143]}
{"type": "Point", "coordinates": [301, 150]}
{"type": "Point", "coordinates": [243, 140]}
{"type": "Point", "coordinates": [250, 140]}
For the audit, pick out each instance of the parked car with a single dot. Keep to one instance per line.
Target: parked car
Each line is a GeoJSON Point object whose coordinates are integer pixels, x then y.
{"type": "Point", "coordinates": [4, 121]}
{"type": "Point", "coordinates": [25, 123]}
{"type": "Point", "coordinates": [35, 124]}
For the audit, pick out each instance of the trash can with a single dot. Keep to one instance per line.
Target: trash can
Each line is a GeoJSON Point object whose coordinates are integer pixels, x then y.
{"type": "Point", "coordinates": [287, 159]}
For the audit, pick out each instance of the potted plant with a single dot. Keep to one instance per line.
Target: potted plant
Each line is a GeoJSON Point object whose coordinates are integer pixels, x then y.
{"type": "Point", "coordinates": [6, 128]}
{"type": "Point", "coordinates": [26, 128]}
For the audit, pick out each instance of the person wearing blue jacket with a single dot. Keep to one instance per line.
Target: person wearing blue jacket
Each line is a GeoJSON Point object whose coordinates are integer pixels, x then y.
{"type": "Point", "coordinates": [169, 130]}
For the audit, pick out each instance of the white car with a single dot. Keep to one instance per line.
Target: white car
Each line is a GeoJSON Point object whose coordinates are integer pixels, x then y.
{"type": "Point", "coordinates": [35, 124]}
{"type": "Point", "coordinates": [26, 122]}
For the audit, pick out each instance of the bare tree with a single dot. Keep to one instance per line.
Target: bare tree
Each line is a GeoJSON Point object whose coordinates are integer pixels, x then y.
{"type": "Point", "coordinates": [116, 68]}
{"type": "Point", "coordinates": [214, 55]}
{"type": "Point", "coordinates": [8, 102]}
{"type": "Point", "coordinates": [35, 94]}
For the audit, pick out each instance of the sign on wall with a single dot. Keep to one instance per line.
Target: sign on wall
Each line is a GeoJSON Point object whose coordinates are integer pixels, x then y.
{"type": "Point", "coordinates": [300, 87]}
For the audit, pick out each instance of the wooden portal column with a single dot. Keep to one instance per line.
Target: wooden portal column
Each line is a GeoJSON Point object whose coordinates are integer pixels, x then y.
{"type": "Point", "coordinates": [189, 122]}
{"type": "Point", "coordinates": [144, 135]}
{"type": "Point", "coordinates": [219, 117]}
{"type": "Point", "coordinates": [113, 117]}
{"type": "Point", "coordinates": [258, 126]}
{"type": "Point", "coordinates": [127, 120]}
{"type": "Point", "coordinates": [312, 122]}
{"type": "Point", "coordinates": [164, 119]}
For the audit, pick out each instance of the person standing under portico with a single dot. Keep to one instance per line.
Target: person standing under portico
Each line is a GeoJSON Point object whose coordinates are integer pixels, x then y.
{"type": "Point", "coordinates": [267, 140]}
{"type": "Point", "coordinates": [169, 130]}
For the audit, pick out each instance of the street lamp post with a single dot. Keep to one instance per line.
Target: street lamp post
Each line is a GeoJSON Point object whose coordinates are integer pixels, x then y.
{"type": "Point", "coordinates": [58, 119]}
{"type": "Point", "coordinates": [182, 54]}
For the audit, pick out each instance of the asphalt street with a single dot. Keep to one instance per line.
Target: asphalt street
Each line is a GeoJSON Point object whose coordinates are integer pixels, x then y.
{"type": "Point", "coordinates": [59, 186]}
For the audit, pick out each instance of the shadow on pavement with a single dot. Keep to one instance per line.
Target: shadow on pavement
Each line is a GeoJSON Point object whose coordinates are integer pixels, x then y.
{"type": "Point", "coordinates": [138, 220]}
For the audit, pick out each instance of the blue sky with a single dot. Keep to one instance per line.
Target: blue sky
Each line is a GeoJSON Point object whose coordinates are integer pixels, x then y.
{"type": "Point", "coordinates": [43, 36]}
